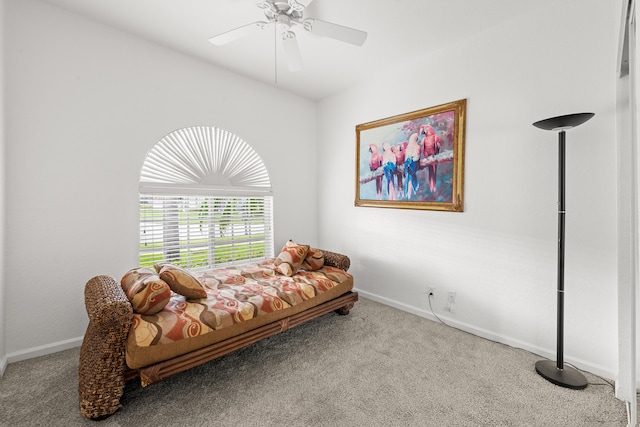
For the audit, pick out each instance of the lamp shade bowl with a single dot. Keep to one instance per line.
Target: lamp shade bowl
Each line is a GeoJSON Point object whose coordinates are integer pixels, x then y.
{"type": "Point", "coordinates": [560, 123]}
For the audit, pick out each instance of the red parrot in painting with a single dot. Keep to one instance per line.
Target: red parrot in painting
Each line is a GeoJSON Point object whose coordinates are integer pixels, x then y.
{"type": "Point", "coordinates": [431, 145]}
{"type": "Point", "coordinates": [374, 163]}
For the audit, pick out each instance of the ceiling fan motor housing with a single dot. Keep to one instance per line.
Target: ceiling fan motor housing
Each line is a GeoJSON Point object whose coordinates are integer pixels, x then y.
{"type": "Point", "coordinates": [281, 9]}
{"type": "Point", "coordinates": [285, 14]}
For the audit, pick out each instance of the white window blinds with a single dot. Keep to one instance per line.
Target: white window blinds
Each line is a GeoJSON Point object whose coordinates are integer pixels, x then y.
{"type": "Point", "coordinates": [205, 200]}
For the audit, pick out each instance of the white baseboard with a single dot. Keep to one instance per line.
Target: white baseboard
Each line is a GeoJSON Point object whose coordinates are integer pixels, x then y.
{"type": "Point", "coordinates": [503, 339]}
{"type": "Point", "coordinates": [43, 350]}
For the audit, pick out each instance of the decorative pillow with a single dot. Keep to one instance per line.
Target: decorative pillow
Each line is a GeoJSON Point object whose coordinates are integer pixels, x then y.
{"type": "Point", "coordinates": [145, 290]}
{"type": "Point", "coordinates": [181, 281]}
{"type": "Point", "coordinates": [314, 260]}
{"type": "Point", "coordinates": [290, 258]}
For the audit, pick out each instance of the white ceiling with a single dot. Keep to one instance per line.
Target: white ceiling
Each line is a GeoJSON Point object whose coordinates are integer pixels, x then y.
{"type": "Point", "coordinates": [398, 30]}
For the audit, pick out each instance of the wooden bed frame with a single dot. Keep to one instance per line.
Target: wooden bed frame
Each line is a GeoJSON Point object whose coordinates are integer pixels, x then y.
{"type": "Point", "coordinates": [102, 371]}
{"type": "Point", "coordinates": [154, 373]}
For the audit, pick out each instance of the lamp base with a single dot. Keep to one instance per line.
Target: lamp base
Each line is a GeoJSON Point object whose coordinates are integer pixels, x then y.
{"type": "Point", "coordinates": [567, 377]}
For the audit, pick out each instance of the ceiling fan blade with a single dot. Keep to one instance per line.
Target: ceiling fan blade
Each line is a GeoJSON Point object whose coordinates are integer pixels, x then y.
{"type": "Point", "coordinates": [335, 31]}
{"type": "Point", "coordinates": [291, 51]}
{"type": "Point", "coordinates": [238, 33]}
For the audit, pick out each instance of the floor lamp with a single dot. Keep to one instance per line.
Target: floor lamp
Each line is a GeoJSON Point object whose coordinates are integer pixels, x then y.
{"type": "Point", "coordinates": [557, 373]}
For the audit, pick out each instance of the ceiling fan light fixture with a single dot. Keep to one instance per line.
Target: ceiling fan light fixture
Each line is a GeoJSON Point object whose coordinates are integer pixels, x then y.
{"type": "Point", "coordinates": [307, 24]}
{"type": "Point", "coordinates": [270, 10]}
{"type": "Point", "coordinates": [294, 5]}
{"type": "Point", "coordinates": [264, 5]}
{"type": "Point", "coordinates": [283, 22]}
{"type": "Point", "coordinates": [288, 35]}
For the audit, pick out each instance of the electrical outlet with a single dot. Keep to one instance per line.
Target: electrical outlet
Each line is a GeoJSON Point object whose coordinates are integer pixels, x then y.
{"type": "Point", "coordinates": [451, 301]}
{"type": "Point", "coordinates": [432, 292]}
{"type": "Point", "coordinates": [452, 297]}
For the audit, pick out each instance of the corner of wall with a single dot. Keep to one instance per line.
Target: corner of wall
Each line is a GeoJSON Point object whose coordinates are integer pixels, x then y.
{"type": "Point", "coordinates": [3, 356]}
{"type": "Point", "coordinates": [3, 365]}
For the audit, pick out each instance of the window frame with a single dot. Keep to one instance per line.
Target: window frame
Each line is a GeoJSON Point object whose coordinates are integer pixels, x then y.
{"type": "Point", "coordinates": [192, 167]}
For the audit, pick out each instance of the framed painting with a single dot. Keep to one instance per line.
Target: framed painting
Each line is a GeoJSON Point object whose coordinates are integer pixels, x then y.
{"type": "Point", "coordinates": [414, 160]}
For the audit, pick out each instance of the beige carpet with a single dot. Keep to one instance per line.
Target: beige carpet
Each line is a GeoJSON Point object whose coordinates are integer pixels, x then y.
{"type": "Point", "coordinates": [378, 366]}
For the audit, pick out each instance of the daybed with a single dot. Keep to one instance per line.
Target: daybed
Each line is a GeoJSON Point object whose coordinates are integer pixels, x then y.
{"type": "Point", "coordinates": [243, 304]}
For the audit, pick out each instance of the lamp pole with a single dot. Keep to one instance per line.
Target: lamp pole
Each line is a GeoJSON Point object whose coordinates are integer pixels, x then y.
{"type": "Point", "coordinates": [561, 226]}
{"type": "Point", "coordinates": [557, 373]}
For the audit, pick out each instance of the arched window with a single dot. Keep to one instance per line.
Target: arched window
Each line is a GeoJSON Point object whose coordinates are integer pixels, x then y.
{"type": "Point", "coordinates": [205, 200]}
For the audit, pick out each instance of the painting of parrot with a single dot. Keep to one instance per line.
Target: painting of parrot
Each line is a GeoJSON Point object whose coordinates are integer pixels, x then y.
{"type": "Point", "coordinates": [411, 161]}
{"type": "Point", "coordinates": [431, 145]}
{"type": "Point", "coordinates": [389, 164]}
{"type": "Point", "coordinates": [401, 149]}
{"type": "Point", "coordinates": [375, 161]}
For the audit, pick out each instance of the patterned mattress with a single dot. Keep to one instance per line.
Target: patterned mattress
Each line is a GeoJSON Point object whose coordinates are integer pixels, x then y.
{"type": "Point", "coordinates": [239, 298]}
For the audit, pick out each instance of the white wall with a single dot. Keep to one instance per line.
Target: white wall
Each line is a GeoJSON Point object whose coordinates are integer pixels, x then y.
{"type": "Point", "coordinates": [500, 254]}
{"type": "Point", "coordinates": [87, 103]}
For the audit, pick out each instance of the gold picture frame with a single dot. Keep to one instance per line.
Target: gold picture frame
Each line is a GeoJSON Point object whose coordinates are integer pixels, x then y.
{"type": "Point", "coordinates": [413, 160]}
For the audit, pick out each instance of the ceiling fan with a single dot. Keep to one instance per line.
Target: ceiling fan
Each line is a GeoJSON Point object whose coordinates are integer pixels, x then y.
{"type": "Point", "coordinates": [285, 15]}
